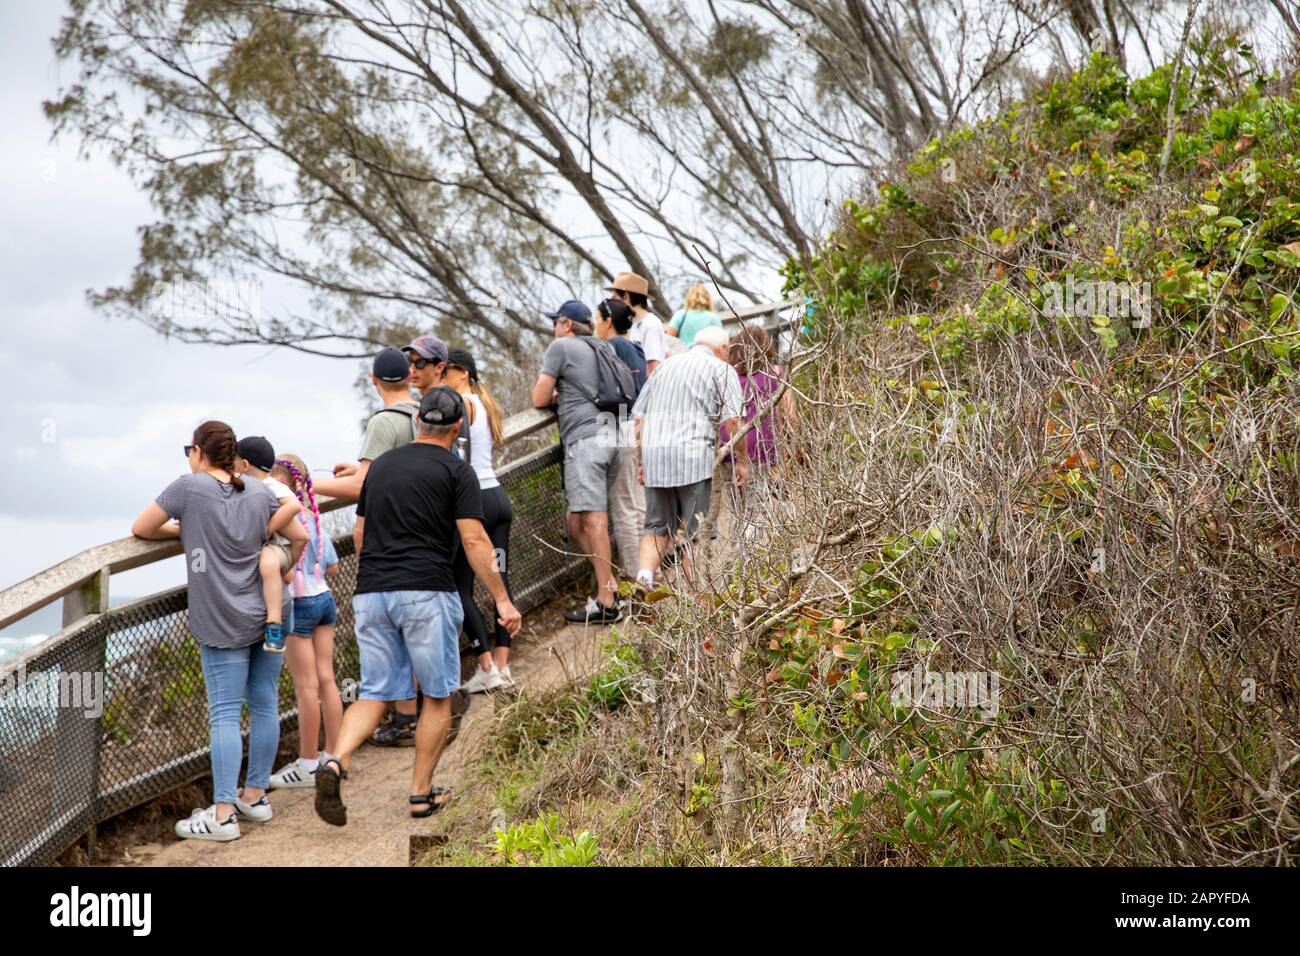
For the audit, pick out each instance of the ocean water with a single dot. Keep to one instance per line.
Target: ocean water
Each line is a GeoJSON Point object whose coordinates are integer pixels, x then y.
{"type": "Point", "coordinates": [30, 631]}
{"type": "Point", "coordinates": [34, 628]}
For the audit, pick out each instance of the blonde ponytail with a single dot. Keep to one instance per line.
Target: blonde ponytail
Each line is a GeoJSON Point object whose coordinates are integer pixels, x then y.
{"type": "Point", "coordinates": [495, 418]}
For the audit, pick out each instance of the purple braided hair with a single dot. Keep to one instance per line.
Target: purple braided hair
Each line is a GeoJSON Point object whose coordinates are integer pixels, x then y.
{"type": "Point", "coordinates": [306, 493]}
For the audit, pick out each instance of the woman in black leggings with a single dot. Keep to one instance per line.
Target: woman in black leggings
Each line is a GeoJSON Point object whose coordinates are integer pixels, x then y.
{"type": "Point", "coordinates": [485, 433]}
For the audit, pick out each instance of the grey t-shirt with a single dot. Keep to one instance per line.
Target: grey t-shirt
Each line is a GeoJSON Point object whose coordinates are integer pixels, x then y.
{"type": "Point", "coordinates": [222, 532]}
{"type": "Point", "coordinates": [388, 428]}
{"type": "Point", "coordinates": [573, 363]}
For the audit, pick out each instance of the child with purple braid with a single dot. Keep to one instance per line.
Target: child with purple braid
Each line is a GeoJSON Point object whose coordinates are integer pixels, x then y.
{"type": "Point", "coordinates": [310, 651]}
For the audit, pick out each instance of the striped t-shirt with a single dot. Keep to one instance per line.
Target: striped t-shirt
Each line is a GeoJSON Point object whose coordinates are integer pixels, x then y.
{"type": "Point", "coordinates": [222, 533]}
{"type": "Point", "coordinates": [682, 405]}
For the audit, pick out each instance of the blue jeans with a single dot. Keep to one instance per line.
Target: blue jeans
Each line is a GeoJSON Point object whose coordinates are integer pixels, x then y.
{"type": "Point", "coordinates": [406, 634]}
{"type": "Point", "coordinates": [232, 675]}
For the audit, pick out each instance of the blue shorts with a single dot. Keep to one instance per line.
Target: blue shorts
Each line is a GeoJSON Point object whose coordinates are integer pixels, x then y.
{"type": "Point", "coordinates": [310, 613]}
{"type": "Point", "coordinates": [403, 635]}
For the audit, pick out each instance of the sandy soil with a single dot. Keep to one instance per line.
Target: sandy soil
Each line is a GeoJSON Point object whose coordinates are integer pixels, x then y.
{"type": "Point", "coordinates": [379, 830]}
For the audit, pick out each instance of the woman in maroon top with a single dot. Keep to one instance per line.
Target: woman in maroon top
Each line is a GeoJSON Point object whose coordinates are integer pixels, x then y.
{"type": "Point", "coordinates": [753, 356]}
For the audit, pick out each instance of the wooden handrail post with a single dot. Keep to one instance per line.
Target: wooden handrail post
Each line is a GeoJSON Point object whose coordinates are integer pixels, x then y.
{"type": "Point", "coordinates": [90, 598]}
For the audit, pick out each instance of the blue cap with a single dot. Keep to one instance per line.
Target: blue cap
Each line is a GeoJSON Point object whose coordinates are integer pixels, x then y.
{"type": "Point", "coordinates": [573, 310]}
{"type": "Point", "coordinates": [391, 365]}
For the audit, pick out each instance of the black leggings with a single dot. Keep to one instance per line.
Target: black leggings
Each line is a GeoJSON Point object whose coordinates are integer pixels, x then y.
{"type": "Point", "coordinates": [497, 515]}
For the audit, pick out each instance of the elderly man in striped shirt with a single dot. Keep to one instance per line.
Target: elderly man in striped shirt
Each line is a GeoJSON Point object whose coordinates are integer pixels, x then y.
{"type": "Point", "coordinates": [677, 417]}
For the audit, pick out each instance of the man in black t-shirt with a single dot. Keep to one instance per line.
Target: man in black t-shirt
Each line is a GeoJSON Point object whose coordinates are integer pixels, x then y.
{"type": "Point", "coordinates": [416, 500]}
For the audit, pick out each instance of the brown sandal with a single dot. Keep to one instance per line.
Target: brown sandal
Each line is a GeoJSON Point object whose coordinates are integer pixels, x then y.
{"type": "Point", "coordinates": [329, 804]}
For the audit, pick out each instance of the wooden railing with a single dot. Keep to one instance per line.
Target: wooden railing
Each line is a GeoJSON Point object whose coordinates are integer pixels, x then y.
{"type": "Point", "coordinates": [63, 771]}
{"type": "Point", "coordinates": [82, 581]}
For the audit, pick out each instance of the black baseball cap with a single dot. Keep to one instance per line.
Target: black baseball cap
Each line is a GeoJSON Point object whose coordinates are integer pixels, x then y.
{"type": "Point", "coordinates": [461, 358]}
{"type": "Point", "coordinates": [573, 310]}
{"type": "Point", "coordinates": [258, 451]}
{"type": "Point", "coordinates": [391, 365]}
{"type": "Point", "coordinates": [441, 406]}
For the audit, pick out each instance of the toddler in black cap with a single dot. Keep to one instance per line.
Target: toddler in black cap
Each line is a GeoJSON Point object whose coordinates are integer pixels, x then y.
{"type": "Point", "coordinates": [254, 456]}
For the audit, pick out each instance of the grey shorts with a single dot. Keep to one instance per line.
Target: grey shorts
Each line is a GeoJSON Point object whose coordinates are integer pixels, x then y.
{"type": "Point", "coordinates": [667, 508]}
{"type": "Point", "coordinates": [590, 467]}
{"type": "Point", "coordinates": [283, 554]}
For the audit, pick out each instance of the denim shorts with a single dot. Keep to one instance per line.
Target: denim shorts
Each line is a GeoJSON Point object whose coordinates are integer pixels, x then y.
{"type": "Point", "coordinates": [310, 613]}
{"type": "Point", "coordinates": [403, 635]}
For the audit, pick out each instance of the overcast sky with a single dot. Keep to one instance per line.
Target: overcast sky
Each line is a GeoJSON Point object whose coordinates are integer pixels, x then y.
{"type": "Point", "coordinates": [96, 411]}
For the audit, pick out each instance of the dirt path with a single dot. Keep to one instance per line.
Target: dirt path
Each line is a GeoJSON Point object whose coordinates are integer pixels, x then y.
{"type": "Point", "coordinates": [379, 826]}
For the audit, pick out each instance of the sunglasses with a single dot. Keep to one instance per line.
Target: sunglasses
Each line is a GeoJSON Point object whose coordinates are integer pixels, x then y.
{"type": "Point", "coordinates": [188, 450]}
{"type": "Point", "coordinates": [422, 363]}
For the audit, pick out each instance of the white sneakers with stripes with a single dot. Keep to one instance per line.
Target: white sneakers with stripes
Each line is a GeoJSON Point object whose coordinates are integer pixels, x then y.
{"type": "Point", "coordinates": [204, 825]}
{"type": "Point", "coordinates": [259, 811]}
{"type": "Point", "coordinates": [294, 776]}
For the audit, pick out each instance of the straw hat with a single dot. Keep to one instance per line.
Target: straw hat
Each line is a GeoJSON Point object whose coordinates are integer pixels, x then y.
{"type": "Point", "coordinates": [629, 282]}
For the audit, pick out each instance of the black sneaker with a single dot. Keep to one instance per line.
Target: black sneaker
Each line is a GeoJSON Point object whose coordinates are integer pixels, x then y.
{"type": "Point", "coordinates": [597, 613]}
{"type": "Point", "coordinates": [399, 731]}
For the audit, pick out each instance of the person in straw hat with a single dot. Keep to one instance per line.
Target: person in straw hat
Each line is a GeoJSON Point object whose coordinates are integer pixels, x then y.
{"type": "Point", "coordinates": [647, 328]}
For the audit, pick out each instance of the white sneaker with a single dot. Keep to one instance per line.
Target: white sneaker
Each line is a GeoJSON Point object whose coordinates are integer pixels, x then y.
{"type": "Point", "coordinates": [482, 681]}
{"type": "Point", "coordinates": [259, 811]}
{"type": "Point", "coordinates": [293, 776]}
{"type": "Point", "coordinates": [506, 679]}
{"type": "Point", "coordinates": [203, 825]}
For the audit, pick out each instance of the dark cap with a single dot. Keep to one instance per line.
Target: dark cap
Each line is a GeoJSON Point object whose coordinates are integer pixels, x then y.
{"type": "Point", "coordinates": [430, 347]}
{"type": "Point", "coordinates": [391, 366]}
{"type": "Point", "coordinates": [573, 310]}
{"type": "Point", "coordinates": [258, 451]}
{"type": "Point", "coordinates": [441, 406]}
{"type": "Point", "coordinates": [461, 358]}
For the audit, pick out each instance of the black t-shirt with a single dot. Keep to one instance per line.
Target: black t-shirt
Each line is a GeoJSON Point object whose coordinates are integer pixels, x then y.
{"type": "Point", "coordinates": [411, 499]}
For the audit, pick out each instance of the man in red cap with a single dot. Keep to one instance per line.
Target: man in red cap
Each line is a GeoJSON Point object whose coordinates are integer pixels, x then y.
{"type": "Point", "coordinates": [647, 328]}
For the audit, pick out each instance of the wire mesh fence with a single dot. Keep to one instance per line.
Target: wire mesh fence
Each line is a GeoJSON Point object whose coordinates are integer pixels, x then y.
{"type": "Point", "coordinates": [113, 712]}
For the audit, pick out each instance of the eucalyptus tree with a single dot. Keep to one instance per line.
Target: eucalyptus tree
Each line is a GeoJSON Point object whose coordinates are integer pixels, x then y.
{"type": "Point", "coordinates": [456, 165]}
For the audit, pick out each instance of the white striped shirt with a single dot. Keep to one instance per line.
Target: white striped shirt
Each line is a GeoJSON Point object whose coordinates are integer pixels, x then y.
{"type": "Point", "coordinates": [682, 404]}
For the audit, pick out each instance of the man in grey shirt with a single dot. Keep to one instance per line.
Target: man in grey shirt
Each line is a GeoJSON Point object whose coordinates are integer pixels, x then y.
{"type": "Point", "coordinates": [391, 426]}
{"type": "Point", "coordinates": [569, 380]}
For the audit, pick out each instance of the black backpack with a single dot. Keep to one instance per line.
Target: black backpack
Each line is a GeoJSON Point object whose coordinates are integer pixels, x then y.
{"type": "Point", "coordinates": [615, 386]}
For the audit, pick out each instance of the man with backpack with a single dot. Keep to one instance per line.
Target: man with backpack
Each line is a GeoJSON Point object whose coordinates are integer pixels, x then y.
{"type": "Point", "coordinates": [588, 383]}
{"type": "Point", "coordinates": [389, 427]}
